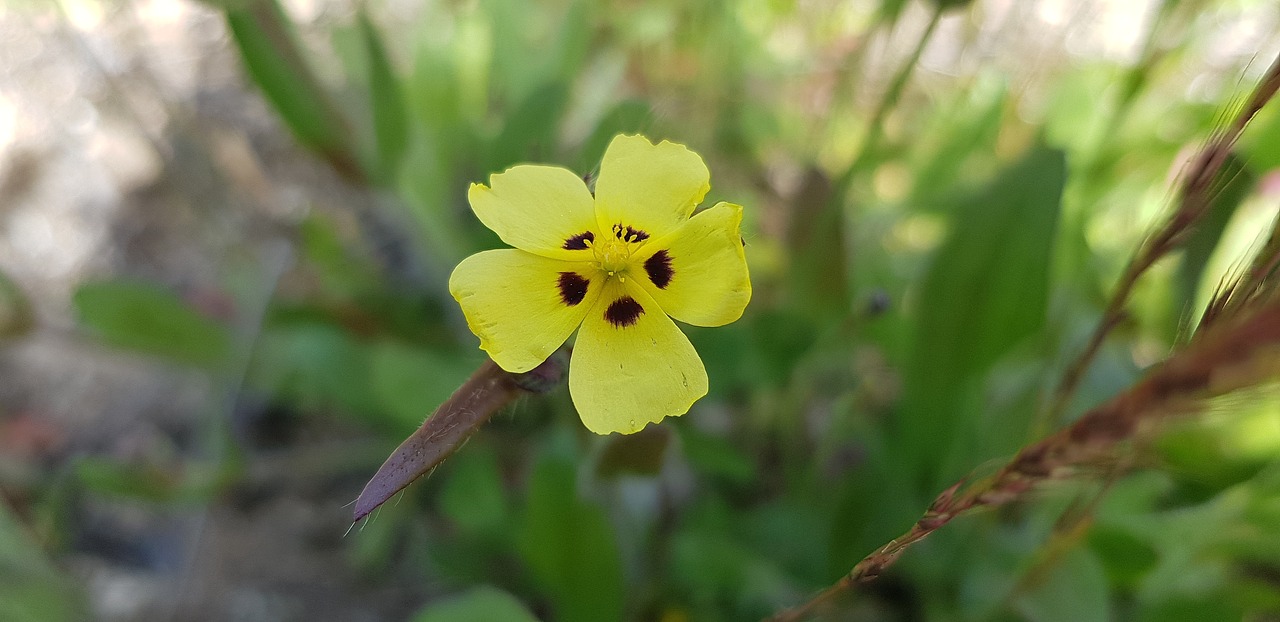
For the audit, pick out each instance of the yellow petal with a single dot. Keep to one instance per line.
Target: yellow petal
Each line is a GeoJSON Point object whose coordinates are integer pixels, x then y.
{"type": "Point", "coordinates": [650, 188]}
{"type": "Point", "coordinates": [545, 210]}
{"type": "Point", "coordinates": [698, 273]}
{"type": "Point", "coordinates": [523, 306]}
{"type": "Point", "coordinates": [631, 366]}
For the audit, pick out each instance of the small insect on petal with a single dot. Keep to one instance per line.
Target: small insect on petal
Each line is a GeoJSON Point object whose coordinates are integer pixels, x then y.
{"type": "Point", "coordinates": [623, 312]}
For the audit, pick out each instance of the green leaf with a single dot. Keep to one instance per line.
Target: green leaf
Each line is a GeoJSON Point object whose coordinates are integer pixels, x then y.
{"type": "Point", "coordinates": [481, 604]}
{"type": "Point", "coordinates": [390, 115]}
{"type": "Point", "coordinates": [271, 55]}
{"type": "Point", "coordinates": [570, 548]}
{"type": "Point", "coordinates": [986, 291]}
{"type": "Point", "coordinates": [145, 317]}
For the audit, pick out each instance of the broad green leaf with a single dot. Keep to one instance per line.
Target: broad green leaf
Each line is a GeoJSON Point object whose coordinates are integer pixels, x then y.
{"type": "Point", "coordinates": [390, 116]}
{"type": "Point", "coordinates": [570, 548]}
{"type": "Point", "coordinates": [270, 51]}
{"type": "Point", "coordinates": [985, 292]}
{"type": "Point", "coordinates": [145, 317]}
{"type": "Point", "coordinates": [481, 604]}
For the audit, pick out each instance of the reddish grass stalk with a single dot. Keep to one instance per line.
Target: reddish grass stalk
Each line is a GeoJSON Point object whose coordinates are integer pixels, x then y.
{"type": "Point", "coordinates": [1195, 196]}
{"type": "Point", "coordinates": [1231, 355]}
{"type": "Point", "coordinates": [1237, 346]}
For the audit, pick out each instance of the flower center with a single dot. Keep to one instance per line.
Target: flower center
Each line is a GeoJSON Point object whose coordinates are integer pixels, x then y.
{"type": "Point", "coordinates": [613, 255]}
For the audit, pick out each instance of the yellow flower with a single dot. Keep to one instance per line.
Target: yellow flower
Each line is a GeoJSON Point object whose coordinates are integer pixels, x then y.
{"type": "Point", "coordinates": [617, 265]}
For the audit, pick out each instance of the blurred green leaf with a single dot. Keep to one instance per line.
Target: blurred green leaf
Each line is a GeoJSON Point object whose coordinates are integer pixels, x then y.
{"type": "Point", "coordinates": [1126, 558]}
{"type": "Point", "coordinates": [529, 134]}
{"type": "Point", "coordinates": [716, 457]}
{"type": "Point", "coordinates": [1208, 608]}
{"type": "Point", "coordinates": [626, 117]}
{"type": "Point", "coordinates": [481, 604]}
{"type": "Point", "coordinates": [472, 495]}
{"type": "Point", "coordinates": [31, 588]}
{"type": "Point", "coordinates": [569, 546]}
{"type": "Point", "coordinates": [986, 291]}
{"type": "Point", "coordinates": [316, 365]}
{"type": "Point", "coordinates": [1261, 141]}
{"type": "Point", "coordinates": [271, 54]}
{"type": "Point", "coordinates": [1074, 590]}
{"type": "Point", "coordinates": [187, 482]}
{"type": "Point", "coordinates": [339, 272]}
{"type": "Point", "coordinates": [815, 239]}
{"type": "Point", "coordinates": [390, 116]}
{"type": "Point", "coordinates": [410, 382]}
{"type": "Point", "coordinates": [965, 133]}
{"type": "Point", "coordinates": [642, 453]}
{"type": "Point", "coordinates": [149, 318]}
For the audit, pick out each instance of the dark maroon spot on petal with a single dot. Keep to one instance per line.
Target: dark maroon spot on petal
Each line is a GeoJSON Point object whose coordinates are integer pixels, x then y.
{"type": "Point", "coordinates": [579, 242]}
{"type": "Point", "coordinates": [628, 233]}
{"type": "Point", "coordinates": [573, 288]}
{"type": "Point", "coordinates": [623, 312]}
{"type": "Point", "coordinates": [658, 266]}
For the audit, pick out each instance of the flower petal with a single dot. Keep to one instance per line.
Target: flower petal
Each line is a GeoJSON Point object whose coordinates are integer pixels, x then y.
{"type": "Point", "coordinates": [631, 366]}
{"type": "Point", "coordinates": [650, 188]}
{"type": "Point", "coordinates": [545, 210]}
{"type": "Point", "coordinates": [523, 306]}
{"type": "Point", "coordinates": [698, 273]}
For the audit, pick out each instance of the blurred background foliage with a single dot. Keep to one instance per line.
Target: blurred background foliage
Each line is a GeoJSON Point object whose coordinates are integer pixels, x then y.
{"type": "Point", "coordinates": [940, 196]}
